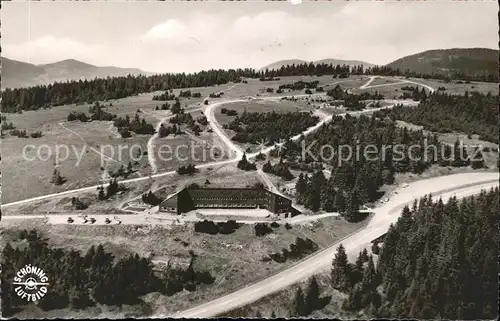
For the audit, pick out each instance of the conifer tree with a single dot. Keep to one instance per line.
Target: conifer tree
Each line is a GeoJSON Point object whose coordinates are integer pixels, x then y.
{"type": "Point", "coordinates": [341, 270]}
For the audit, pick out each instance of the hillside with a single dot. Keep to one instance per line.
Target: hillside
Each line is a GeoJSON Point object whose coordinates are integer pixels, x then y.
{"type": "Point", "coordinates": [469, 61]}
{"type": "Point", "coordinates": [279, 64]}
{"type": "Point", "coordinates": [21, 74]}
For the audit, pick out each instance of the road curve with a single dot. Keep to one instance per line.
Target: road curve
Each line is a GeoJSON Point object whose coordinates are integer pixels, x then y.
{"type": "Point", "coordinates": [214, 124]}
{"type": "Point", "coordinates": [366, 84]}
{"type": "Point", "coordinates": [459, 185]}
{"type": "Point", "coordinates": [401, 81]}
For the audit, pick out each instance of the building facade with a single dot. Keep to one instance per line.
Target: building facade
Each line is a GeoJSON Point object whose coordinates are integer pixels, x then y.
{"type": "Point", "coordinates": [191, 198]}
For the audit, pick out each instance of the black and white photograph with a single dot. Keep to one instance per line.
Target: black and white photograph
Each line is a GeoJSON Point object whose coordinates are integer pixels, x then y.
{"type": "Point", "coordinates": [249, 159]}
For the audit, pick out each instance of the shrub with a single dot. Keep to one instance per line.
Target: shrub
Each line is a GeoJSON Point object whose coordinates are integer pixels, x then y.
{"type": "Point", "coordinates": [262, 229]}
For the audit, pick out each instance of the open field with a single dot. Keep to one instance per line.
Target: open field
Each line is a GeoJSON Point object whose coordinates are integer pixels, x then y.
{"type": "Point", "coordinates": [391, 88]}
{"type": "Point", "coordinates": [456, 88]}
{"type": "Point", "coordinates": [30, 176]}
{"type": "Point", "coordinates": [221, 175]}
{"type": "Point", "coordinates": [327, 82]}
{"type": "Point", "coordinates": [234, 260]}
{"type": "Point", "coordinates": [384, 81]}
{"type": "Point", "coordinates": [174, 151]}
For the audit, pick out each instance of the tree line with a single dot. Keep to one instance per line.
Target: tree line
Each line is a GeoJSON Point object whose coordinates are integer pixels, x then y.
{"type": "Point", "coordinates": [102, 89]}
{"type": "Point", "coordinates": [438, 261]}
{"type": "Point", "coordinates": [300, 85]}
{"type": "Point", "coordinates": [447, 77]}
{"type": "Point", "coordinates": [356, 180]}
{"type": "Point", "coordinates": [78, 281]}
{"type": "Point", "coordinates": [270, 126]}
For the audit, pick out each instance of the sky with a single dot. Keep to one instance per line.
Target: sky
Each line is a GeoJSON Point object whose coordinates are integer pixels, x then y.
{"type": "Point", "coordinates": [192, 36]}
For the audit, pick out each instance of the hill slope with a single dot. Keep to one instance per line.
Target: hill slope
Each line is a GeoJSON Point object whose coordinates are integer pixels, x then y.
{"type": "Point", "coordinates": [21, 74]}
{"type": "Point", "coordinates": [279, 64]}
{"type": "Point", "coordinates": [469, 61]}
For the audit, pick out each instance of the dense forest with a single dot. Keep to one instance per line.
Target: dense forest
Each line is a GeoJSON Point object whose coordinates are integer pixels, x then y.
{"type": "Point", "coordinates": [82, 91]}
{"type": "Point", "coordinates": [378, 149]}
{"type": "Point", "coordinates": [78, 281]}
{"type": "Point", "coordinates": [32, 98]}
{"type": "Point", "coordinates": [137, 125]}
{"type": "Point", "coordinates": [440, 260]}
{"type": "Point", "coordinates": [269, 127]}
{"type": "Point", "coordinates": [471, 113]}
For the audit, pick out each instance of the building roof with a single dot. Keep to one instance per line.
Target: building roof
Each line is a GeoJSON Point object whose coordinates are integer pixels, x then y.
{"type": "Point", "coordinates": [226, 191]}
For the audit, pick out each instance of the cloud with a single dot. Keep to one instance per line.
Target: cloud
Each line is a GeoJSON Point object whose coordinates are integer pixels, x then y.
{"type": "Point", "coordinates": [170, 29]}
{"type": "Point", "coordinates": [49, 49]}
{"type": "Point", "coordinates": [190, 40]}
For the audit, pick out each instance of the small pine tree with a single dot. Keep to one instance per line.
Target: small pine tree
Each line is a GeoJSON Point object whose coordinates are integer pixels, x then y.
{"type": "Point", "coordinates": [477, 159]}
{"type": "Point", "coordinates": [312, 300]}
{"type": "Point", "coordinates": [57, 179]}
{"type": "Point", "coordinates": [341, 274]}
{"type": "Point", "coordinates": [364, 255]}
{"type": "Point", "coordinates": [300, 307]}
{"type": "Point", "coordinates": [100, 193]}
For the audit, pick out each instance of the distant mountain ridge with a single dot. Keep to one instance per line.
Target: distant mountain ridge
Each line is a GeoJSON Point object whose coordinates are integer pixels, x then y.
{"type": "Point", "coordinates": [22, 74]}
{"type": "Point", "coordinates": [279, 64]}
{"type": "Point", "coordinates": [469, 61]}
